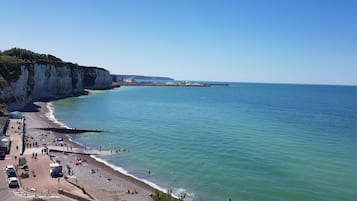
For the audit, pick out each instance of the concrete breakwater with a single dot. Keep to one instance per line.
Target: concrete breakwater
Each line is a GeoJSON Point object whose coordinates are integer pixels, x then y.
{"type": "Point", "coordinates": [173, 84]}
{"type": "Point", "coordinates": [71, 130]}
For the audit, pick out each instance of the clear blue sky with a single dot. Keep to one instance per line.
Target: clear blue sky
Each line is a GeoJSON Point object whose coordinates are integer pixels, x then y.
{"type": "Point", "coordinates": [281, 41]}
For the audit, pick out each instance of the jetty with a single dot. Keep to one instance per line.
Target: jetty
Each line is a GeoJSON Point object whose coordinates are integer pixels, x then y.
{"type": "Point", "coordinates": [169, 84]}
{"type": "Point", "coordinates": [70, 130]}
{"type": "Point", "coordinates": [75, 150]}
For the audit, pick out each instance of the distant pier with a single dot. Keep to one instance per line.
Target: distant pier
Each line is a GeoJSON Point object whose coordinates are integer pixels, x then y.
{"type": "Point", "coordinates": [172, 84]}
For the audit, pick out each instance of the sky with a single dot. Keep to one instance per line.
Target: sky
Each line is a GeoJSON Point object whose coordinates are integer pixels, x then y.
{"type": "Point", "coordinates": [268, 41]}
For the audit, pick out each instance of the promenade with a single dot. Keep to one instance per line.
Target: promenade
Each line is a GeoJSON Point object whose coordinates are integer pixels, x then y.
{"type": "Point", "coordinates": [16, 133]}
{"type": "Point", "coordinates": [39, 183]}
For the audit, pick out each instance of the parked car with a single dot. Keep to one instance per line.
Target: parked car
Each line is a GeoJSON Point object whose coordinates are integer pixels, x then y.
{"type": "Point", "coordinates": [24, 175]}
{"type": "Point", "coordinates": [13, 182]}
{"type": "Point", "coordinates": [10, 171]}
{"type": "Point", "coordinates": [56, 170]}
{"type": "Point", "coordinates": [9, 167]}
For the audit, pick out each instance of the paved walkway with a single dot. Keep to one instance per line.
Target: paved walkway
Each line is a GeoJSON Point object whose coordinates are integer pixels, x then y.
{"type": "Point", "coordinates": [15, 132]}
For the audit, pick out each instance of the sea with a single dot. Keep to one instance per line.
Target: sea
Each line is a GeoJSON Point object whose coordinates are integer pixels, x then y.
{"type": "Point", "coordinates": [245, 141]}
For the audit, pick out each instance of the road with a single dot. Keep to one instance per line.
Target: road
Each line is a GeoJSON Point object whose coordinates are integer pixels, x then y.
{"type": "Point", "coordinates": [7, 194]}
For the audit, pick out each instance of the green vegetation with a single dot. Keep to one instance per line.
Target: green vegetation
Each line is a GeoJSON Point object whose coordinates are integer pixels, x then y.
{"type": "Point", "coordinates": [2, 110]}
{"type": "Point", "coordinates": [160, 196]}
{"type": "Point", "coordinates": [29, 56]}
{"type": "Point", "coordinates": [11, 61]}
{"type": "Point", "coordinates": [10, 69]}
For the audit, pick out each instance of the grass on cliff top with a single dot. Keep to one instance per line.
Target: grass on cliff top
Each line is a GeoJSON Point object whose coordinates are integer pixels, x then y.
{"type": "Point", "coordinates": [3, 110]}
{"type": "Point", "coordinates": [9, 69]}
{"type": "Point", "coordinates": [29, 56]}
{"type": "Point", "coordinates": [10, 59]}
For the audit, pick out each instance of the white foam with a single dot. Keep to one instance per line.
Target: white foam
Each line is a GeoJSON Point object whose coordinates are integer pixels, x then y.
{"type": "Point", "coordinates": [52, 117]}
{"type": "Point", "coordinates": [180, 192]}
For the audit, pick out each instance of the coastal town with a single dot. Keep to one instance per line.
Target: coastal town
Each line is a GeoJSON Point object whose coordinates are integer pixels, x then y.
{"type": "Point", "coordinates": [42, 164]}
{"type": "Point", "coordinates": [178, 100]}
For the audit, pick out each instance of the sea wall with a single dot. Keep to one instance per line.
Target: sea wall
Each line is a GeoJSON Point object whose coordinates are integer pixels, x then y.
{"type": "Point", "coordinates": [51, 80]}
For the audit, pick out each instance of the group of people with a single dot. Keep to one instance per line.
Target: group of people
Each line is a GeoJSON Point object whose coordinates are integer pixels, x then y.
{"type": "Point", "coordinates": [34, 155]}
{"type": "Point", "coordinates": [117, 150]}
{"type": "Point", "coordinates": [33, 144]}
{"type": "Point", "coordinates": [132, 191]}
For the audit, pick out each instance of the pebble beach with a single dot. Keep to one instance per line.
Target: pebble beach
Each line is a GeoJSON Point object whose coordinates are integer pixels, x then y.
{"type": "Point", "coordinates": [99, 181]}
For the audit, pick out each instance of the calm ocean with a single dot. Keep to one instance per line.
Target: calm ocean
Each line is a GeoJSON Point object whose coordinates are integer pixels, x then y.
{"type": "Point", "coordinates": [250, 142]}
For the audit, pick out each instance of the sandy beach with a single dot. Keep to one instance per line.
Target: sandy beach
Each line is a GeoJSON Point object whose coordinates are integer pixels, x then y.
{"type": "Point", "coordinates": [99, 181]}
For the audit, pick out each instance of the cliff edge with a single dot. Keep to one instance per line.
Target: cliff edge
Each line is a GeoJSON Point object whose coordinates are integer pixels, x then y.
{"type": "Point", "coordinates": [26, 76]}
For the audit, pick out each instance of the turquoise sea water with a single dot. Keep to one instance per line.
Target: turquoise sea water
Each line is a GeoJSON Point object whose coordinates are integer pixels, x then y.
{"type": "Point", "coordinates": [250, 142]}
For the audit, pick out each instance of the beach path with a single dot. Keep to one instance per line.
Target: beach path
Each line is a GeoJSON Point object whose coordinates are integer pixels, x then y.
{"type": "Point", "coordinates": [15, 132]}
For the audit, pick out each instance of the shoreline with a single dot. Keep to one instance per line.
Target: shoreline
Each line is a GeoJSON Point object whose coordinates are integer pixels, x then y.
{"type": "Point", "coordinates": [126, 181]}
{"type": "Point", "coordinates": [118, 169]}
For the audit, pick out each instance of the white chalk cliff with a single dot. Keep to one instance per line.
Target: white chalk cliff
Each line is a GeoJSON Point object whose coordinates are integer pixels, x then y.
{"type": "Point", "coordinates": [50, 80]}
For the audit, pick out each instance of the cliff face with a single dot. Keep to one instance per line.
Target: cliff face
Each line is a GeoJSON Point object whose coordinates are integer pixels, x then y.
{"type": "Point", "coordinates": [50, 80]}
{"type": "Point", "coordinates": [96, 78]}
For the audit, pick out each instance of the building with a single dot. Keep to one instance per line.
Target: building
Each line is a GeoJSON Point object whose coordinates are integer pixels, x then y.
{"type": "Point", "coordinates": [4, 123]}
{"type": "Point", "coordinates": [4, 144]}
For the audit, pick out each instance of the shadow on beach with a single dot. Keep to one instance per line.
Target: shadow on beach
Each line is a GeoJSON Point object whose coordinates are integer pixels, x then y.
{"type": "Point", "coordinates": [31, 107]}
